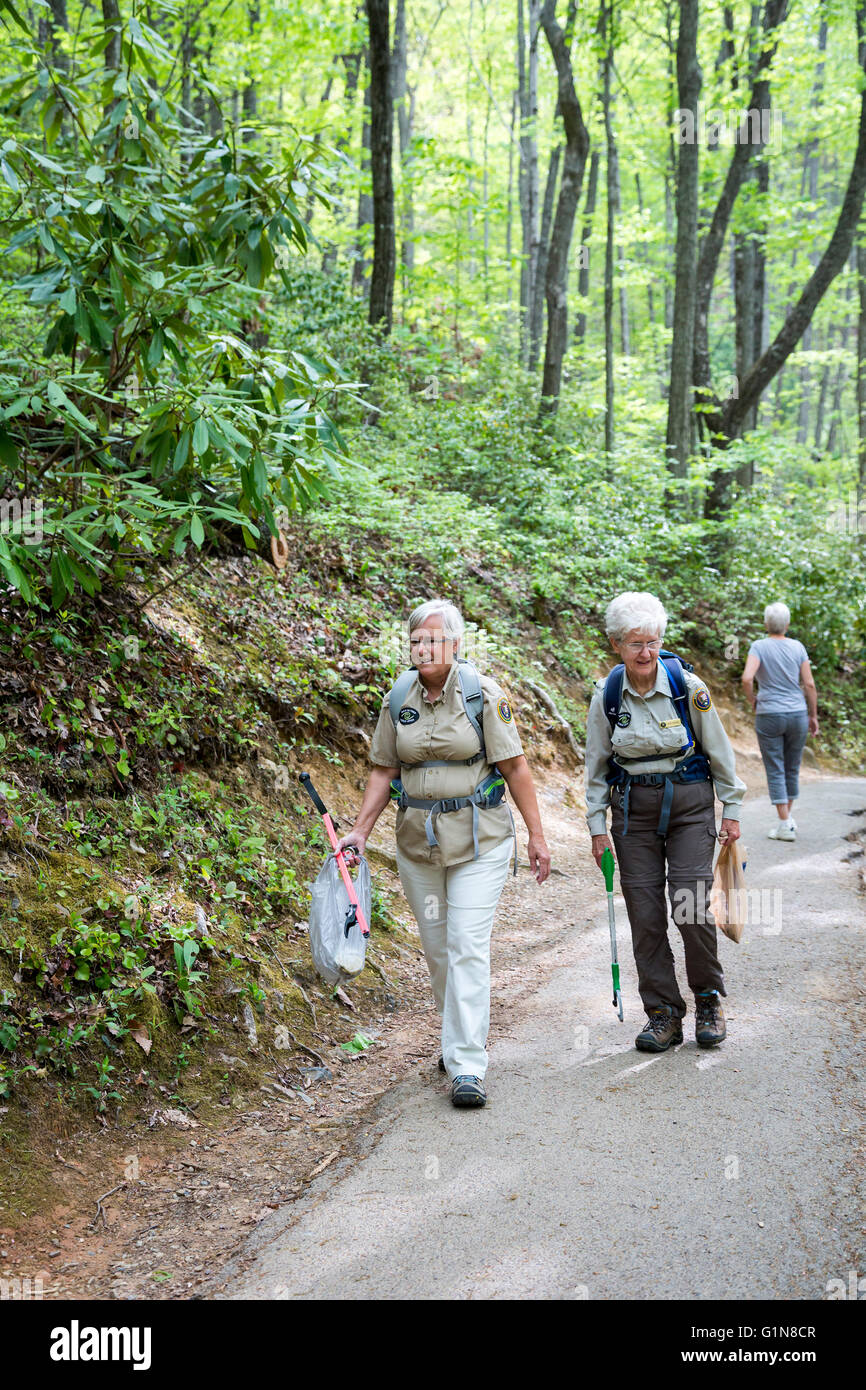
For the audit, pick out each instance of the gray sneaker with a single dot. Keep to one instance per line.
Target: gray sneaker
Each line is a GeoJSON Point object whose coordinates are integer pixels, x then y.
{"type": "Point", "coordinates": [468, 1091]}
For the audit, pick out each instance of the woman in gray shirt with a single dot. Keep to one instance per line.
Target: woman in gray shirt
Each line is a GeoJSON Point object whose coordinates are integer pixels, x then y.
{"type": "Point", "coordinates": [784, 714]}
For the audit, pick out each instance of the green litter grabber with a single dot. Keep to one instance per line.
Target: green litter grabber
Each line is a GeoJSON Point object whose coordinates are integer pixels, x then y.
{"type": "Point", "coordinates": [607, 868]}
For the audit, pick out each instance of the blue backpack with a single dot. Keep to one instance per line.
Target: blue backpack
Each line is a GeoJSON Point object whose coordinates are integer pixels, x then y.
{"type": "Point", "coordinates": [694, 766]}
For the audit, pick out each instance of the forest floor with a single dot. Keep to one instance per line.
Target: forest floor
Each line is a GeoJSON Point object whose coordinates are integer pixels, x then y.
{"type": "Point", "coordinates": [192, 1203]}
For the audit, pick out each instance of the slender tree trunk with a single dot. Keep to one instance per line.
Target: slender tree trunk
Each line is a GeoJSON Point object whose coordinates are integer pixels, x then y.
{"type": "Point", "coordinates": [404, 102]}
{"type": "Point", "coordinates": [112, 25]}
{"type": "Point", "coordinates": [711, 245]}
{"type": "Point", "coordinates": [381, 141]}
{"type": "Point", "coordinates": [352, 70]}
{"type": "Point", "coordinates": [527, 72]}
{"type": "Point", "coordinates": [536, 326]}
{"type": "Point", "coordinates": [586, 233]}
{"type": "Point", "coordinates": [689, 81]}
{"type": "Point", "coordinates": [250, 99]}
{"type": "Point", "coordinates": [573, 165]}
{"type": "Point", "coordinates": [605, 22]}
{"type": "Point", "coordinates": [861, 367]}
{"type": "Point", "coordinates": [361, 268]}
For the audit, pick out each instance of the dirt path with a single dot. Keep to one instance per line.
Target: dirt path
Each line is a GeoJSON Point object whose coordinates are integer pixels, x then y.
{"type": "Point", "coordinates": [595, 1171]}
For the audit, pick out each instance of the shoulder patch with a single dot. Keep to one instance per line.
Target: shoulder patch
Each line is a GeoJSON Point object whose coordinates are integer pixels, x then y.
{"type": "Point", "coordinates": [623, 719]}
{"type": "Point", "coordinates": [701, 699]}
{"type": "Point", "coordinates": [408, 715]}
{"type": "Point", "coordinates": [503, 709]}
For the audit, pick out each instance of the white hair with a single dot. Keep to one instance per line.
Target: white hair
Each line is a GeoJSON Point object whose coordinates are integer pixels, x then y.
{"type": "Point", "coordinates": [777, 617]}
{"type": "Point", "coordinates": [452, 621]}
{"type": "Point", "coordinates": [633, 612]}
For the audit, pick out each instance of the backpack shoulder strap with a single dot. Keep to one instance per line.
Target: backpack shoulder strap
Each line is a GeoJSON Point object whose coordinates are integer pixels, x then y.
{"type": "Point", "coordinates": [398, 692]}
{"type": "Point", "coordinates": [472, 696]}
{"type": "Point", "coordinates": [612, 696]}
{"type": "Point", "coordinates": [680, 691]}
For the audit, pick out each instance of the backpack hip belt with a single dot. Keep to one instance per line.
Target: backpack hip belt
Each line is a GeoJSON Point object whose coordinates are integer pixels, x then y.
{"type": "Point", "coordinates": [695, 769]}
{"type": "Point", "coordinates": [695, 766]}
{"type": "Point", "coordinates": [490, 792]}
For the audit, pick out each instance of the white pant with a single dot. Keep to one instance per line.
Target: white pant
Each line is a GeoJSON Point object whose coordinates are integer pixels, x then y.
{"type": "Point", "coordinates": [454, 908]}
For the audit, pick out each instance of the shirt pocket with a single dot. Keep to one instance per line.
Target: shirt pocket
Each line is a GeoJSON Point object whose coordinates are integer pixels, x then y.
{"type": "Point", "coordinates": [647, 740]}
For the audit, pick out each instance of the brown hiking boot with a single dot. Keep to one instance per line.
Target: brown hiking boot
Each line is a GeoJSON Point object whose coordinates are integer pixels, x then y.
{"type": "Point", "coordinates": [709, 1020]}
{"type": "Point", "coordinates": [661, 1032]}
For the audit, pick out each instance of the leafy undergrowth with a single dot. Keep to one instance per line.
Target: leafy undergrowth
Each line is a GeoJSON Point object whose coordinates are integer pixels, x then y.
{"type": "Point", "coordinates": [155, 848]}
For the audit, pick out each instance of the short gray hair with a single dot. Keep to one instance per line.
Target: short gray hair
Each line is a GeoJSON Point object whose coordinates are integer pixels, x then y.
{"type": "Point", "coordinates": [452, 621]}
{"type": "Point", "coordinates": [630, 611]}
{"type": "Point", "coordinates": [777, 617]}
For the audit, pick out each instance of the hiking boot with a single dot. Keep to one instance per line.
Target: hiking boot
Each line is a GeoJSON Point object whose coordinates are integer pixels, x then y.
{"type": "Point", "coordinates": [468, 1091]}
{"type": "Point", "coordinates": [441, 1063]}
{"type": "Point", "coordinates": [662, 1031]}
{"type": "Point", "coordinates": [709, 1020]}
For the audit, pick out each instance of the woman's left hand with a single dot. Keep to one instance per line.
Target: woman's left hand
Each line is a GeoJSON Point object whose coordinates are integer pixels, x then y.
{"type": "Point", "coordinates": [539, 857]}
{"type": "Point", "coordinates": [729, 830]}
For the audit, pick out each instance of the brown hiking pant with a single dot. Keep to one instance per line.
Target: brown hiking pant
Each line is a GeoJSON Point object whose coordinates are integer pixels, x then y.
{"type": "Point", "coordinates": [687, 853]}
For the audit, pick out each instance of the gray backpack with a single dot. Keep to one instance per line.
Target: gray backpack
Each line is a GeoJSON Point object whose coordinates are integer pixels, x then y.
{"type": "Point", "coordinates": [489, 793]}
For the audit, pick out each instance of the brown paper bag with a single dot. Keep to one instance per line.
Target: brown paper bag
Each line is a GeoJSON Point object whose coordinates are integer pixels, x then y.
{"type": "Point", "coordinates": [728, 894]}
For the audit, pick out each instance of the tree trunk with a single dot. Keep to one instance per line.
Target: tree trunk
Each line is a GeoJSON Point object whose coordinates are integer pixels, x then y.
{"type": "Point", "coordinates": [527, 74]}
{"type": "Point", "coordinates": [112, 24]}
{"type": "Point", "coordinates": [605, 20]}
{"type": "Point", "coordinates": [573, 164]}
{"type": "Point", "coordinates": [861, 369]}
{"type": "Point", "coordinates": [250, 98]}
{"type": "Point", "coordinates": [403, 107]}
{"type": "Point", "coordinates": [352, 69]}
{"type": "Point", "coordinates": [832, 261]}
{"type": "Point", "coordinates": [586, 233]}
{"type": "Point", "coordinates": [381, 140]}
{"type": "Point", "coordinates": [689, 81]}
{"type": "Point", "coordinates": [711, 246]}
{"type": "Point", "coordinates": [361, 268]}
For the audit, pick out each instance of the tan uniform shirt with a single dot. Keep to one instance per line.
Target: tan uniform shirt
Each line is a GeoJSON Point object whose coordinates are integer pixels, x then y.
{"type": "Point", "coordinates": [428, 730]}
{"type": "Point", "coordinates": [650, 732]}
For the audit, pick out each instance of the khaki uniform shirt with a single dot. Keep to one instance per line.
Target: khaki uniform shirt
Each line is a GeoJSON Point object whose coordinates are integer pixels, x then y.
{"type": "Point", "coordinates": [428, 730]}
{"type": "Point", "coordinates": [649, 730]}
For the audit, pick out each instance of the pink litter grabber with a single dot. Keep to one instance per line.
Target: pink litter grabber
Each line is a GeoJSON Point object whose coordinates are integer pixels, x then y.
{"type": "Point", "coordinates": [355, 912]}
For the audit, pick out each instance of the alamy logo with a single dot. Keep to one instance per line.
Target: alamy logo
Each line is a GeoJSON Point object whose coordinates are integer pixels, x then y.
{"type": "Point", "coordinates": [22, 517]}
{"type": "Point", "coordinates": [21, 1288]}
{"type": "Point", "coordinates": [76, 1343]}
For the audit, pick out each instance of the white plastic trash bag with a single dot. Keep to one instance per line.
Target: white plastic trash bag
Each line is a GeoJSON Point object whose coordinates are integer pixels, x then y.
{"type": "Point", "coordinates": [336, 956]}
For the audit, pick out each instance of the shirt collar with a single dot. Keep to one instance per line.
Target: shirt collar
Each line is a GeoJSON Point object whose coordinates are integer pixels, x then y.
{"type": "Point", "coordinates": [662, 683]}
{"type": "Point", "coordinates": [446, 689]}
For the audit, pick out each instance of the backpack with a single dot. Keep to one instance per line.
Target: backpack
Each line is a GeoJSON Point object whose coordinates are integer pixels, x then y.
{"type": "Point", "coordinates": [489, 793]}
{"type": "Point", "coordinates": [470, 692]}
{"type": "Point", "coordinates": [691, 751]}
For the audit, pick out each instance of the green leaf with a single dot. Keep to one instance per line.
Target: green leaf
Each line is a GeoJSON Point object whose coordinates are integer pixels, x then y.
{"type": "Point", "coordinates": [196, 530]}
{"type": "Point", "coordinates": [200, 437]}
{"type": "Point", "coordinates": [9, 175]}
{"type": "Point", "coordinates": [59, 399]}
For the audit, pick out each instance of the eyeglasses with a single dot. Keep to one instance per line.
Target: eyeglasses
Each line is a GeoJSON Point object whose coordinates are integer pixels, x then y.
{"type": "Point", "coordinates": [427, 641]}
{"type": "Point", "coordinates": [636, 647]}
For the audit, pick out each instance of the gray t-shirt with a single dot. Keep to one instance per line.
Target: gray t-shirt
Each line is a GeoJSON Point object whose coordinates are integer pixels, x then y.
{"type": "Point", "coordinates": [778, 675]}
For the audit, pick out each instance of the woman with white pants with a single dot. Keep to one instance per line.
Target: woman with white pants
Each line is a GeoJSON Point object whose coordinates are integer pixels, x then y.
{"type": "Point", "coordinates": [445, 747]}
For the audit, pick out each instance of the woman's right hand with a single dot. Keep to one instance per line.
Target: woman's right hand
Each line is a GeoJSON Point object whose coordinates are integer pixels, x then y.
{"type": "Point", "coordinates": [353, 846]}
{"type": "Point", "coordinates": [813, 723]}
{"type": "Point", "coordinates": [599, 844]}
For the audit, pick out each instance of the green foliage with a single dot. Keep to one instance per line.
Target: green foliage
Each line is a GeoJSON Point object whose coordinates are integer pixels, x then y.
{"type": "Point", "coordinates": [147, 416]}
